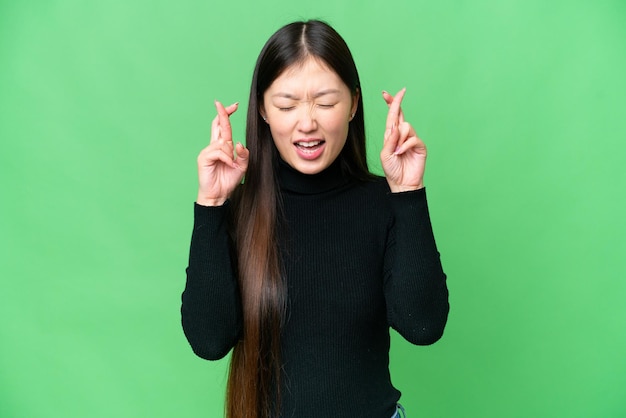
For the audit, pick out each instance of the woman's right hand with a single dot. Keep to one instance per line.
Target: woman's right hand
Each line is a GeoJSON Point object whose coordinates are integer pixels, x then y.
{"type": "Point", "coordinates": [221, 165]}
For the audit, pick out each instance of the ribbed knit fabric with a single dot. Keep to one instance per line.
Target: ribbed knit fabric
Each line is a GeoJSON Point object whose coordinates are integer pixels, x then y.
{"type": "Point", "coordinates": [358, 260]}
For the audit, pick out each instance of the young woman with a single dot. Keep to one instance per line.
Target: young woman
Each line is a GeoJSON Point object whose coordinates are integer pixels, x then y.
{"type": "Point", "coordinates": [301, 259]}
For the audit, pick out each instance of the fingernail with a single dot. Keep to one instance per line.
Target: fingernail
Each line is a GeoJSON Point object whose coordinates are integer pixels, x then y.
{"type": "Point", "coordinates": [385, 92]}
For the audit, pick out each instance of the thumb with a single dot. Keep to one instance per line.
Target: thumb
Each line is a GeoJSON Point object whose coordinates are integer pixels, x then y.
{"type": "Point", "coordinates": [243, 154]}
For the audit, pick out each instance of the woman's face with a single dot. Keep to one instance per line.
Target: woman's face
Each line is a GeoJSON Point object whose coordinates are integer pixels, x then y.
{"type": "Point", "coordinates": [308, 109]}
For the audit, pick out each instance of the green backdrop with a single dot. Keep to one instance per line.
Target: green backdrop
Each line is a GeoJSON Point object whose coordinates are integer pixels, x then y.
{"type": "Point", "coordinates": [104, 106]}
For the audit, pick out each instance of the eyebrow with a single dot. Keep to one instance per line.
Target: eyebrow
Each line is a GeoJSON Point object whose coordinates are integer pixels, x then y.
{"type": "Point", "coordinates": [315, 96]}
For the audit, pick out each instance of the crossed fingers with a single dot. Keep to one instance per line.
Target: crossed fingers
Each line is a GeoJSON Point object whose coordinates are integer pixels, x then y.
{"type": "Point", "coordinates": [399, 134]}
{"type": "Point", "coordinates": [221, 130]}
{"type": "Point", "coordinates": [395, 116]}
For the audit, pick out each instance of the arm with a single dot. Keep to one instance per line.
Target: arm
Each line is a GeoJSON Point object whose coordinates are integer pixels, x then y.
{"type": "Point", "coordinates": [211, 307]}
{"type": "Point", "coordinates": [415, 284]}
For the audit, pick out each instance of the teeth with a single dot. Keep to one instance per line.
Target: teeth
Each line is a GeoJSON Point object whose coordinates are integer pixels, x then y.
{"type": "Point", "coordinates": [309, 144]}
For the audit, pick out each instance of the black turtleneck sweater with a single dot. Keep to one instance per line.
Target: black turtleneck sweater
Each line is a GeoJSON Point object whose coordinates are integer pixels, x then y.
{"type": "Point", "coordinates": [358, 260]}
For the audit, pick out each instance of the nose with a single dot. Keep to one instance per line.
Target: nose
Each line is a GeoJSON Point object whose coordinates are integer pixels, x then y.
{"type": "Point", "coordinates": [306, 120]}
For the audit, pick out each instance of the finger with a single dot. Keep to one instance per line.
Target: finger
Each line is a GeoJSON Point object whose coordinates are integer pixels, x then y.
{"type": "Point", "coordinates": [207, 153]}
{"type": "Point", "coordinates": [215, 129]}
{"type": "Point", "coordinates": [227, 147]}
{"type": "Point", "coordinates": [232, 108]}
{"type": "Point", "coordinates": [389, 99]}
{"type": "Point", "coordinates": [411, 143]}
{"type": "Point", "coordinates": [404, 129]}
{"type": "Point", "coordinates": [393, 116]}
{"type": "Point", "coordinates": [226, 133]}
{"type": "Point", "coordinates": [242, 156]}
{"type": "Point", "coordinates": [215, 155]}
{"type": "Point", "coordinates": [391, 140]}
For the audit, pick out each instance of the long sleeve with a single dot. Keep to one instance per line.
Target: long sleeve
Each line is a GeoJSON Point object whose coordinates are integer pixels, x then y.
{"type": "Point", "coordinates": [416, 293]}
{"type": "Point", "coordinates": [211, 306]}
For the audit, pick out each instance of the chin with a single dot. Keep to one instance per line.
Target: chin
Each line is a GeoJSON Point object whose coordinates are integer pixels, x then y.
{"type": "Point", "coordinates": [310, 167]}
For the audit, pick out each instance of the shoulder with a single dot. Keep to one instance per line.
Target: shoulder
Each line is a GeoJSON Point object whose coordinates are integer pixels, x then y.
{"type": "Point", "coordinates": [377, 186]}
{"type": "Point", "coordinates": [370, 196]}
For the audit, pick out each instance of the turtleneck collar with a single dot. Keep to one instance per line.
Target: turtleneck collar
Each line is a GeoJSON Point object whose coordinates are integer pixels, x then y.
{"type": "Point", "coordinates": [292, 180]}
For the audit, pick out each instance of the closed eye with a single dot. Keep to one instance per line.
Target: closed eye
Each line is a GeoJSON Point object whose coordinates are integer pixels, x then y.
{"type": "Point", "coordinates": [326, 106]}
{"type": "Point", "coordinates": [286, 109]}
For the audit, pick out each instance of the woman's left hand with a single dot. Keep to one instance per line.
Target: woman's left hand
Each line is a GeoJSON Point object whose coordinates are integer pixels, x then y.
{"type": "Point", "coordinates": [403, 155]}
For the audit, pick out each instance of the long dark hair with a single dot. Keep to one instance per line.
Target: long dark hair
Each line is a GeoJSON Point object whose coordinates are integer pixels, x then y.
{"type": "Point", "coordinates": [255, 368]}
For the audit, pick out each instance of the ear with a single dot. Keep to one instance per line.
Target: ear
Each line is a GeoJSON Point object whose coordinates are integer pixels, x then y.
{"type": "Point", "coordinates": [355, 102]}
{"type": "Point", "coordinates": [262, 112]}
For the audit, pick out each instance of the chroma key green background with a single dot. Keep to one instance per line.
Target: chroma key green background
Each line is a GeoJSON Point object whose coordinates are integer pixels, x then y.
{"type": "Point", "coordinates": [104, 106]}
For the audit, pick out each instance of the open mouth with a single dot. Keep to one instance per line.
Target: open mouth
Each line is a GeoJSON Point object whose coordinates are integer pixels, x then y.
{"type": "Point", "coordinates": [309, 147]}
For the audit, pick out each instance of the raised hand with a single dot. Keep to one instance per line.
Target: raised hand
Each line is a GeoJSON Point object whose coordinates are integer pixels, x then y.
{"type": "Point", "coordinates": [403, 155]}
{"type": "Point", "coordinates": [221, 165]}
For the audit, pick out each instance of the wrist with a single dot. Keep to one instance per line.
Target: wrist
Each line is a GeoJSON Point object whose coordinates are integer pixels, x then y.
{"type": "Point", "coordinates": [204, 201]}
{"type": "Point", "coordinates": [395, 188]}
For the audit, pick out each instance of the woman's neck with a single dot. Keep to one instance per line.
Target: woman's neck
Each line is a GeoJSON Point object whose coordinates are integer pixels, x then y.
{"type": "Point", "coordinates": [292, 180]}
